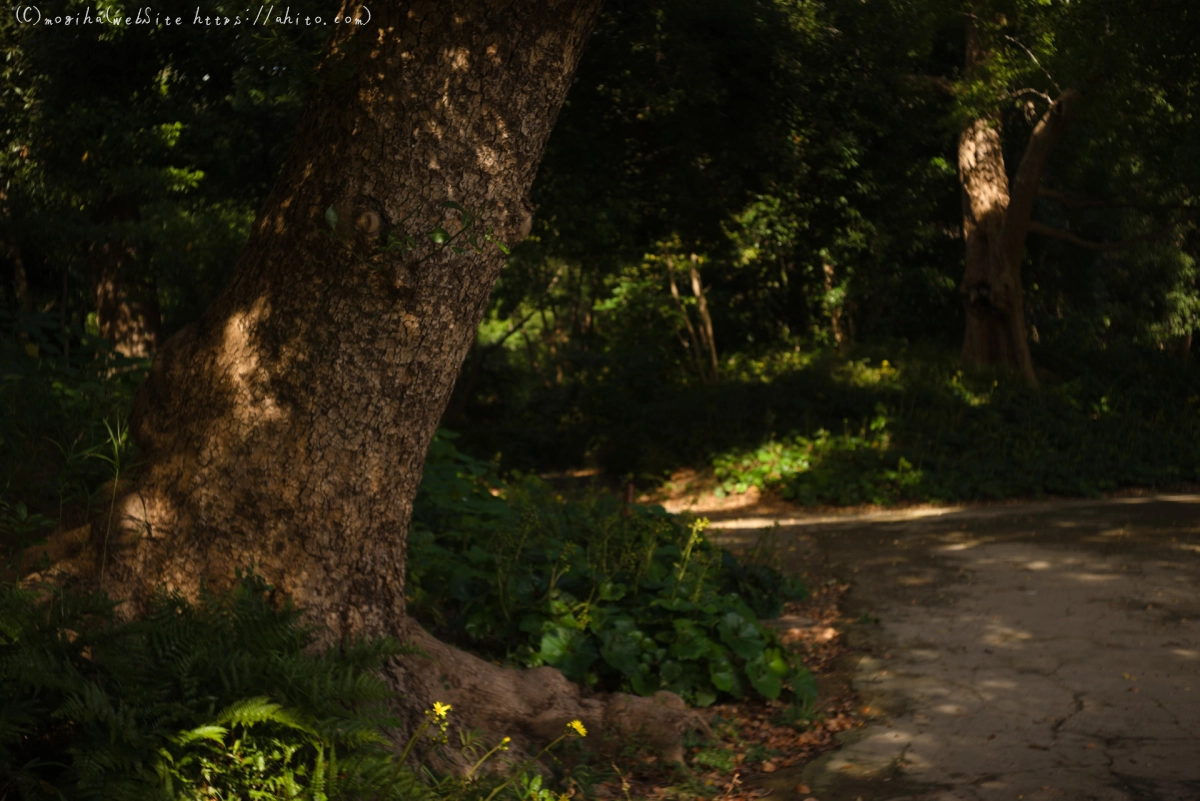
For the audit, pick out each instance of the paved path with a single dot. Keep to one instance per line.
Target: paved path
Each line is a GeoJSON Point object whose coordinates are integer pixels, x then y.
{"type": "Point", "coordinates": [1027, 653]}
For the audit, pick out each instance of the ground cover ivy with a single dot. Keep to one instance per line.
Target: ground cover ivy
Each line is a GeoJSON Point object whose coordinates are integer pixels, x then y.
{"type": "Point", "coordinates": [617, 597]}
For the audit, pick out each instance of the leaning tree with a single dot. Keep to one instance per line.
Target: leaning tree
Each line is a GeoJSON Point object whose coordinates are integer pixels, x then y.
{"type": "Point", "coordinates": [287, 428]}
{"type": "Point", "coordinates": [997, 212]}
{"type": "Point", "coordinates": [1029, 64]}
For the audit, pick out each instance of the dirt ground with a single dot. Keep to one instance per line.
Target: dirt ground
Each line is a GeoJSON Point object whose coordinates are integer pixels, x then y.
{"type": "Point", "coordinates": [1027, 652]}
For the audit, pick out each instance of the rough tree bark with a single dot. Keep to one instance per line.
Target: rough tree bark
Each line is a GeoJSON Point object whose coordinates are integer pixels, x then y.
{"type": "Point", "coordinates": [996, 222]}
{"type": "Point", "coordinates": [287, 428]}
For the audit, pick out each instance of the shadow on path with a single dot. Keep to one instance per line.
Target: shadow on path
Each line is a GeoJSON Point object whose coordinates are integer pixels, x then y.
{"type": "Point", "coordinates": [1028, 652]}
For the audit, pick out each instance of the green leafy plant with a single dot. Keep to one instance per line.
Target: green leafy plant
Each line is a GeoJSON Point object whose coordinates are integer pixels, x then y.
{"type": "Point", "coordinates": [844, 469]}
{"type": "Point", "coordinates": [59, 390]}
{"type": "Point", "coordinates": [613, 596]}
{"type": "Point", "coordinates": [937, 433]}
{"type": "Point", "coordinates": [111, 453]}
{"type": "Point", "coordinates": [221, 699]}
{"type": "Point", "coordinates": [22, 528]}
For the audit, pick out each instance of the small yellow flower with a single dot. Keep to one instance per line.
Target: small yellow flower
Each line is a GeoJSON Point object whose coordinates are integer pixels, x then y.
{"type": "Point", "coordinates": [577, 725]}
{"type": "Point", "coordinates": [506, 741]}
{"type": "Point", "coordinates": [440, 709]}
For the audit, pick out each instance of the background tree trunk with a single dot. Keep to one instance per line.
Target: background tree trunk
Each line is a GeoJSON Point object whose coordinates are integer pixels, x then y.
{"type": "Point", "coordinates": [287, 428]}
{"type": "Point", "coordinates": [127, 311]}
{"type": "Point", "coordinates": [693, 341]}
{"type": "Point", "coordinates": [992, 296]}
{"type": "Point", "coordinates": [706, 327]}
{"type": "Point", "coordinates": [834, 310]}
{"type": "Point", "coordinates": [20, 281]}
{"type": "Point", "coordinates": [996, 223]}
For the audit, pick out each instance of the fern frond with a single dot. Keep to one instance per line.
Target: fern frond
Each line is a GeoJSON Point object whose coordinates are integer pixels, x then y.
{"type": "Point", "coordinates": [208, 732]}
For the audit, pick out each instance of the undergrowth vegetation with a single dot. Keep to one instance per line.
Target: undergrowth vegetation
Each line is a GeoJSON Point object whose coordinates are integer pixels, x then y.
{"type": "Point", "coordinates": [617, 597]}
{"type": "Point", "coordinates": [745, 212]}
{"type": "Point", "coordinates": [880, 424]}
{"type": "Point", "coordinates": [215, 700]}
{"type": "Point", "coordinates": [935, 433]}
{"type": "Point", "coordinates": [227, 698]}
{"type": "Point", "coordinates": [63, 398]}
{"type": "Point", "coordinates": [223, 699]}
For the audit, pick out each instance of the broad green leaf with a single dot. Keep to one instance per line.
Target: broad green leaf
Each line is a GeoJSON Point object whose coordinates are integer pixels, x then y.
{"type": "Point", "coordinates": [670, 671]}
{"type": "Point", "coordinates": [721, 671]}
{"type": "Point", "coordinates": [622, 650]}
{"type": "Point", "coordinates": [690, 642]}
{"type": "Point", "coordinates": [763, 678]}
{"type": "Point", "coordinates": [644, 683]}
{"type": "Point", "coordinates": [569, 650]}
{"type": "Point", "coordinates": [775, 662]}
{"type": "Point", "coordinates": [610, 591]}
{"type": "Point", "coordinates": [741, 635]}
{"type": "Point", "coordinates": [804, 686]}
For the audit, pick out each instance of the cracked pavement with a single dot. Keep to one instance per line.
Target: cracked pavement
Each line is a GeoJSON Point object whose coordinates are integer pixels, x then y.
{"type": "Point", "coordinates": [1026, 652]}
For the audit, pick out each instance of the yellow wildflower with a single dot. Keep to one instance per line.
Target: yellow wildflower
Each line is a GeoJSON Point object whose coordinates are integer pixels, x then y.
{"type": "Point", "coordinates": [577, 725]}
{"type": "Point", "coordinates": [440, 709]}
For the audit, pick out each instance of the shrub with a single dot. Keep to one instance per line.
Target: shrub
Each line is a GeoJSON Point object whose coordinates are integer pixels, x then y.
{"type": "Point", "coordinates": [940, 434]}
{"type": "Point", "coordinates": [616, 597]}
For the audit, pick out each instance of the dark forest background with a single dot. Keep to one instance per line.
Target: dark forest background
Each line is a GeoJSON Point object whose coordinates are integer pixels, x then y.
{"type": "Point", "coordinates": [757, 260]}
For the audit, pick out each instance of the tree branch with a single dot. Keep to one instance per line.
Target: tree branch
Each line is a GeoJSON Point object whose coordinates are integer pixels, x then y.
{"type": "Point", "coordinates": [1030, 91]}
{"type": "Point", "coordinates": [485, 350]}
{"type": "Point", "coordinates": [1045, 72]}
{"type": "Point", "coordinates": [1025, 184]}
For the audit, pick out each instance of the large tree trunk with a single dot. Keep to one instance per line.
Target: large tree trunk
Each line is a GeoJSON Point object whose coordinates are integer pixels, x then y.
{"type": "Point", "coordinates": [287, 428]}
{"type": "Point", "coordinates": [996, 224]}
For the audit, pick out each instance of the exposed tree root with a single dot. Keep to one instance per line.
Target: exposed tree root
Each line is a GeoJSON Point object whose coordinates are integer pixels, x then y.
{"type": "Point", "coordinates": [533, 707]}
